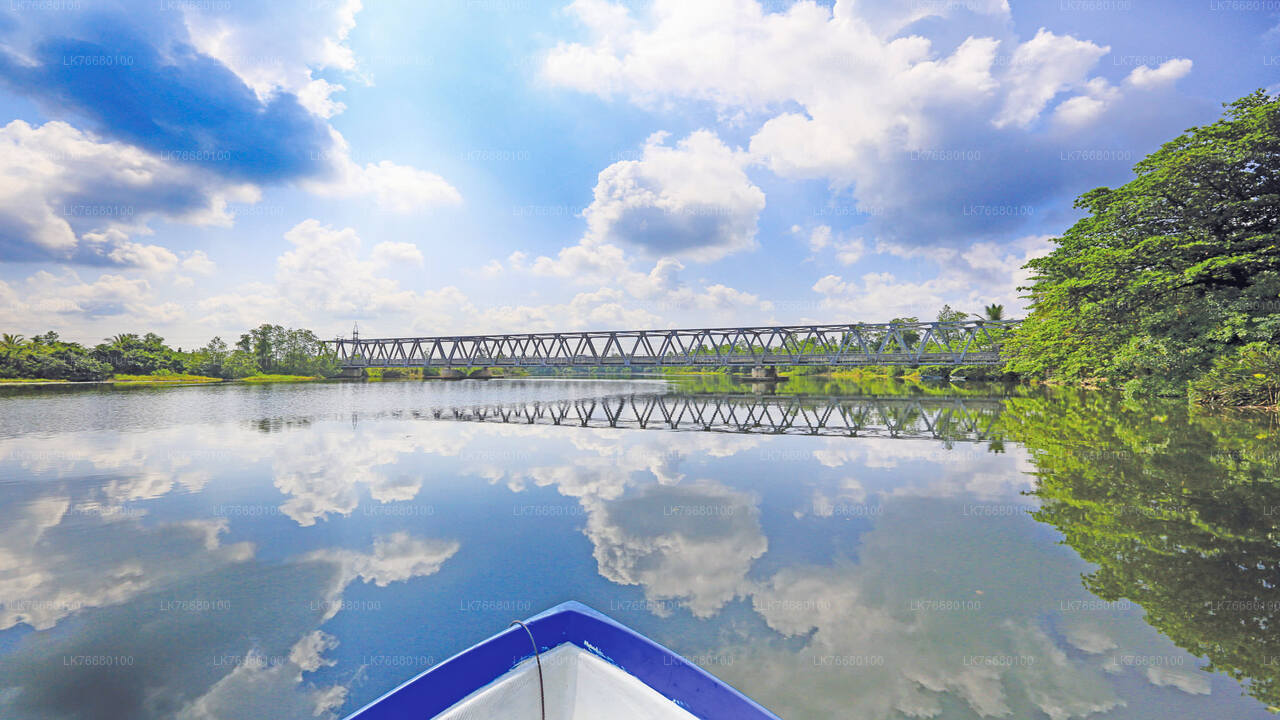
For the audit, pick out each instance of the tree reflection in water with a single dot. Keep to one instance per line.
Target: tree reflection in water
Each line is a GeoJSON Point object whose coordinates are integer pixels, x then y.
{"type": "Point", "coordinates": [1179, 510]}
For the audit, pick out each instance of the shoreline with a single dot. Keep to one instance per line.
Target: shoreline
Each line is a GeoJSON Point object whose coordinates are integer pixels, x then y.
{"type": "Point", "coordinates": [159, 380]}
{"type": "Point", "coordinates": [126, 381]}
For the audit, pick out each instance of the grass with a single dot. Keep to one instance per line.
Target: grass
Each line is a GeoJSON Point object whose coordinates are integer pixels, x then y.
{"type": "Point", "coordinates": [692, 372]}
{"type": "Point", "coordinates": [879, 373]}
{"type": "Point", "coordinates": [410, 373]}
{"type": "Point", "coordinates": [857, 373]}
{"type": "Point", "coordinates": [7, 381]}
{"type": "Point", "coordinates": [163, 379]}
{"type": "Point", "coordinates": [278, 378]}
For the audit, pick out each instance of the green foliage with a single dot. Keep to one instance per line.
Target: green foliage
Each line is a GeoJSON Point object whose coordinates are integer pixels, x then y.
{"type": "Point", "coordinates": [240, 364]}
{"type": "Point", "coordinates": [130, 354]}
{"type": "Point", "coordinates": [947, 314]}
{"type": "Point", "coordinates": [285, 351]}
{"type": "Point", "coordinates": [1176, 268]}
{"type": "Point", "coordinates": [1250, 376]}
{"type": "Point", "coordinates": [44, 356]}
{"type": "Point", "coordinates": [910, 336]}
{"type": "Point", "coordinates": [210, 360]}
{"type": "Point", "coordinates": [1178, 510]}
{"type": "Point", "coordinates": [851, 383]}
{"type": "Point", "coordinates": [163, 378]}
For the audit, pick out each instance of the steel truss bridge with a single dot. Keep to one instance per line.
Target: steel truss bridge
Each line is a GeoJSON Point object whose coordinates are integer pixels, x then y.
{"type": "Point", "coordinates": [950, 419]}
{"type": "Point", "coordinates": [968, 342]}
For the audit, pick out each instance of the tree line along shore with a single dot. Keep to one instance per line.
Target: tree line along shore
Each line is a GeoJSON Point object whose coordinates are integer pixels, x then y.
{"type": "Point", "coordinates": [269, 353]}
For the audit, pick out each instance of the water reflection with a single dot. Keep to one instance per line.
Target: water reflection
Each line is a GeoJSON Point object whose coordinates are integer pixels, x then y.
{"type": "Point", "coordinates": [129, 618]}
{"type": "Point", "coordinates": [939, 418]}
{"type": "Point", "coordinates": [841, 554]}
{"type": "Point", "coordinates": [1181, 515]}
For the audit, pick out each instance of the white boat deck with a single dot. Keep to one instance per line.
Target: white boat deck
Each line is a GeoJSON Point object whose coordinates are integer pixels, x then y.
{"type": "Point", "coordinates": [579, 686]}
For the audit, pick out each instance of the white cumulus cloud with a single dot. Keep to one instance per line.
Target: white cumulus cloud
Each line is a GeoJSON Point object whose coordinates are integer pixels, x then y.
{"type": "Point", "coordinates": [1168, 72]}
{"type": "Point", "coordinates": [693, 200]}
{"type": "Point", "coordinates": [66, 195]}
{"type": "Point", "coordinates": [848, 95]}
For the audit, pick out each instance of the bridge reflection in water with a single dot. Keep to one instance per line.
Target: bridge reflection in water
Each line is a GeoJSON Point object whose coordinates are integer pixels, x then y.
{"type": "Point", "coordinates": [942, 418]}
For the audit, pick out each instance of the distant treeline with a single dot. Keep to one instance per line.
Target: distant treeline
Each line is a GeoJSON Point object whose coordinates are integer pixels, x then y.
{"type": "Point", "coordinates": [265, 349]}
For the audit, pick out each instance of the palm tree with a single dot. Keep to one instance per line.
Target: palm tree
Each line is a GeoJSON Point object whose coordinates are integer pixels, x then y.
{"type": "Point", "coordinates": [10, 343]}
{"type": "Point", "coordinates": [992, 313]}
{"type": "Point", "coordinates": [112, 349]}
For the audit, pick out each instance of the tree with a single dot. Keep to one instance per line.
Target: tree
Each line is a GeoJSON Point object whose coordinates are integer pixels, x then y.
{"type": "Point", "coordinates": [240, 364]}
{"type": "Point", "coordinates": [112, 350]}
{"type": "Point", "coordinates": [294, 351]}
{"type": "Point", "coordinates": [1169, 271]}
{"type": "Point", "coordinates": [267, 343]}
{"type": "Point", "coordinates": [947, 314]}
{"type": "Point", "coordinates": [910, 337]}
{"type": "Point", "coordinates": [993, 312]}
{"type": "Point", "coordinates": [209, 360]}
{"type": "Point", "coordinates": [11, 343]}
{"type": "Point", "coordinates": [1249, 377]}
{"type": "Point", "coordinates": [302, 353]}
{"type": "Point", "coordinates": [133, 355]}
{"type": "Point", "coordinates": [44, 356]}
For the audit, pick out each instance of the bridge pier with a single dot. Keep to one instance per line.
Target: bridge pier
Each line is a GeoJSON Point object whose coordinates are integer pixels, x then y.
{"type": "Point", "coordinates": [765, 376]}
{"type": "Point", "coordinates": [452, 374]}
{"type": "Point", "coordinates": [353, 373]}
{"type": "Point", "coordinates": [481, 374]}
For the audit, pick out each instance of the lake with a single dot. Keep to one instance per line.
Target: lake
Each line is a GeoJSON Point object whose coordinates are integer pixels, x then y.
{"type": "Point", "coordinates": [875, 550]}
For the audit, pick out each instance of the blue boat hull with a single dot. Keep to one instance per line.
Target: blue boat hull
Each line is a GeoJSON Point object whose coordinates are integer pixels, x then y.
{"type": "Point", "coordinates": [667, 673]}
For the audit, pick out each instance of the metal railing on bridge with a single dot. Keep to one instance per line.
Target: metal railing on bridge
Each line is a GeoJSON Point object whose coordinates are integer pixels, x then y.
{"type": "Point", "coordinates": [968, 342]}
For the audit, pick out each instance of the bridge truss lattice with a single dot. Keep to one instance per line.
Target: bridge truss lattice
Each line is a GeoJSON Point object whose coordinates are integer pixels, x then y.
{"type": "Point", "coordinates": [970, 342]}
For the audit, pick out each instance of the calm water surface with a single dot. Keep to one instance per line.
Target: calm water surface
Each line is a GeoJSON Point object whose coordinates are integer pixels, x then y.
{"type": "Point", "coordinates": [853, 551]}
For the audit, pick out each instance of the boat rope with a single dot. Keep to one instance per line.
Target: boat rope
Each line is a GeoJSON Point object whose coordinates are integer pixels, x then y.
{"type": "Point", "coordinates": [537, 656]}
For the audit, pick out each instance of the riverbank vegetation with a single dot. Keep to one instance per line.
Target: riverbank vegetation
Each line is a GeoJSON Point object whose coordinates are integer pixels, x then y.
{"type": "Point", "coordinates": [165, 379]}
{"type": "Point", "coordinates": [266, 353]}
{"type": "Point", "coordinates": [45, 357]}
{"type": "Point", "coordinates": [1171, 284]}
{"type": "Point", "coordinates": [831, 385]}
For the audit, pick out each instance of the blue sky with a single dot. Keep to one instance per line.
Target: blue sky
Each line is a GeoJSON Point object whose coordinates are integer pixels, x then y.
{"type": "Point", "coordinates": [200, 167]}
